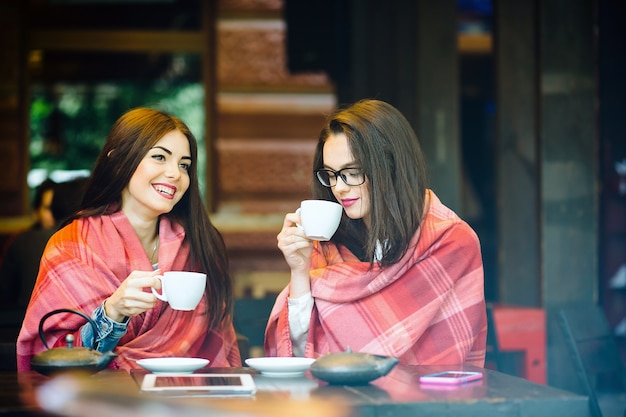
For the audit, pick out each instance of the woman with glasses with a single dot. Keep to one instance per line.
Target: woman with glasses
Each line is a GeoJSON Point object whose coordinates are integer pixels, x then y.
{"type": "Point", "coordinates": [403, 274]}
{"type": "Point", "coordinates": [141, 215]}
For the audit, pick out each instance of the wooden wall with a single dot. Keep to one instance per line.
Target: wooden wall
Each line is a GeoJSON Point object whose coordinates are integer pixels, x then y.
{"type": "Point", "coordinates": [267, 123]}
{"type": "Point", "coordinates": [13, 149]}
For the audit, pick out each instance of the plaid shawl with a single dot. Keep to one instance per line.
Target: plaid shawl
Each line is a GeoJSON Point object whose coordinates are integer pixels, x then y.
{"type": "Point", "coordinates": [85, 262]}
{"type": "Point", "coordinates": [429, 308]}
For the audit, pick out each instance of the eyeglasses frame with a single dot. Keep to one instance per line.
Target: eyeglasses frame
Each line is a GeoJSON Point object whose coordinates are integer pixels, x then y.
{"type": "Point", "coordinates": [338, 174]}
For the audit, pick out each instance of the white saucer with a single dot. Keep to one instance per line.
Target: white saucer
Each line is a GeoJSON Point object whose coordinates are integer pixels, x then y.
{"type": "Point", "coordinates": [280, 367]}
{"type": "Point", "coordinates": [172, 365]}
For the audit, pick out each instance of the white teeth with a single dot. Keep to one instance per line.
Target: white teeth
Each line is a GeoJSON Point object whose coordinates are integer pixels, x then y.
{"type": "Point", "coordinates": [164, 190]}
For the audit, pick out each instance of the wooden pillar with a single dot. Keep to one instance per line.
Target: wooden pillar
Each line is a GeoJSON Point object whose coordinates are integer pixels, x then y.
{"type": "Point", "coordinates": [547, 170]}
{"type": "Point", "coordinates": [382, 50]}
{"type": "Point", "coordinates": [612, 90]}
{"type": "Point", "coordinates": [517, 179]}
{"type": "Point", "coordinates": [547, 166]}
{"type": "Point", "coordinates": [13, 111]}
{"type": "Point", "coordinates": [209, 81]}
{"type": "Point", "coordinates": [405, 52]}
{"type": "Point", "coordinates": [438, 98]}
{"type": "Point", "coordinates": [568, 138]}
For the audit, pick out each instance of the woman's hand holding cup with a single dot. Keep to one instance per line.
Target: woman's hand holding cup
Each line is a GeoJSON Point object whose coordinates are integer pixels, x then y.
{"type": "Point", "coordinates": [320, 218]}
{"type": "Point", "coordinates": [182, 290]}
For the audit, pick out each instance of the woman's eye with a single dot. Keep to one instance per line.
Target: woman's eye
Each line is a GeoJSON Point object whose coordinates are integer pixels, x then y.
{"type": "Point", "coordinates": [158, 157]}
{"type": "Point", "coordinates": [185, 166]}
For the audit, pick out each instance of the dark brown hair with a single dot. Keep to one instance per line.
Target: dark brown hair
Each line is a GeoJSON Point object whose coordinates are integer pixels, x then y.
{"type": "Point", "coordinates": [386, 148]}
{"type": "Point", "coordinates": [130, 139]}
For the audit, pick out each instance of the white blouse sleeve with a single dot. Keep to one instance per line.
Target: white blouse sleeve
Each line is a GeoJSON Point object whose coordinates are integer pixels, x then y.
{"type": "Point", "coordinates": [299, 317]}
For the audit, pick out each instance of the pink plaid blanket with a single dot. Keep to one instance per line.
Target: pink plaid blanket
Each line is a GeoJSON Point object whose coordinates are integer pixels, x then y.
{"type": "Point", "coordinates": [429, 308]}
{"type": "Point", "coordinates": [85, 262]}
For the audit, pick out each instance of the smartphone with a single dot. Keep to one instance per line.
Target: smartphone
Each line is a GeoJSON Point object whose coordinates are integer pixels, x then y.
{"type": "Point", "coordinates": [451, 377]}
{"type": "Point", "coordinates": [198, 384]}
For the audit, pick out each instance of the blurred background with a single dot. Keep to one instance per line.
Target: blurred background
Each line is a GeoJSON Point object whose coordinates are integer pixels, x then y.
{"type": "Point", "coordinates": [516, 103]}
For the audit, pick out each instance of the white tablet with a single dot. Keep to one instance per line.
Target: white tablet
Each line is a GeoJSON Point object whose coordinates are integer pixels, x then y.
{"type": "Point", "coordinates": [199, 384]}
{"type": "Point", "coordinates": [451, 377]}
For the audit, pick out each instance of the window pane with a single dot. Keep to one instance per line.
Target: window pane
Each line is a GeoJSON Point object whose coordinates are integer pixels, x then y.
{"type": "Point", "coordinates": [76, 98]}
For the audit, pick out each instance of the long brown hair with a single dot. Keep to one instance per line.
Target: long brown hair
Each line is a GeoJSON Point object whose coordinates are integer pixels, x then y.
{"type": "Point", "coordinates": [130, 139]}
{"type": "Point", "coordinates": [386, 148]}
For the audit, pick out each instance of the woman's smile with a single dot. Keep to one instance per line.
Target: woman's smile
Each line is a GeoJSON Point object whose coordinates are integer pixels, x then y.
{"type": "Point", "coordinates": [165, 190]}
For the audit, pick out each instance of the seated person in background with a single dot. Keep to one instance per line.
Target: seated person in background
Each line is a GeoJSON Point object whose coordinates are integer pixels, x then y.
{"type": "Point", "coordinates": [142, 214]}
{"type": "Point", "coordinates": [20, 262]}
{"type": "Point", "coordinates": [67, 198]}
{"type": "Point", "coordinates": [403, 274]}
{"type": "Point", "coordinates": [42, 203]}
{"type": "Point", "coordinates": [19, 269]}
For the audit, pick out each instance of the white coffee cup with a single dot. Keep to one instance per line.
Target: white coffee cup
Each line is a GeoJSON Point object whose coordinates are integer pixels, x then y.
{"type": "Point", "coordinates": [320, 218]}
{"type": "Point", "coordinates": [183, 290]}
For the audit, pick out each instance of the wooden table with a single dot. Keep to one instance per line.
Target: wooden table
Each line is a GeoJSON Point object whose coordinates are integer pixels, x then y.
{"type": "Point", "coordinates": [398, 394]}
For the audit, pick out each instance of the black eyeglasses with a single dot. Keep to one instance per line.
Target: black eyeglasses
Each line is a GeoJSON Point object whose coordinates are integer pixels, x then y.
{"type": "Point", "coordinates": [350, 176]}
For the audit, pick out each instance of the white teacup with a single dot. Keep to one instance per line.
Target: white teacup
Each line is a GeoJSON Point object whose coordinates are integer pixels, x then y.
{"type": "Point", "coordinates": [320, 218]}
{"type": "Point", "coordinates": [183, 290]}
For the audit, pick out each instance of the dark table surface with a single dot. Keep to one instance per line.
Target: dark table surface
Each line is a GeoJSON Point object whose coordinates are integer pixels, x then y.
{"type": "Point", "coordinates": [398, 394]}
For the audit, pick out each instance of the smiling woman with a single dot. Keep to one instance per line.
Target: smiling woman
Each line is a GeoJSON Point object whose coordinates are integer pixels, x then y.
{"type": "Point", "coordinates": [141, 215]}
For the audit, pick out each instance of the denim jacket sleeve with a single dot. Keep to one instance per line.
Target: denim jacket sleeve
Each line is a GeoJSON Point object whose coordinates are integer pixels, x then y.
{"type": "Point", "coordinates": [109, 332]}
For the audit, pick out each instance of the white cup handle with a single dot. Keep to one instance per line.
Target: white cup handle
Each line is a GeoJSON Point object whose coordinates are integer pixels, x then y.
{"type": "Point", "coordinates": [162, 296]}
{"type": "Point", "coordinates": [298, 224]}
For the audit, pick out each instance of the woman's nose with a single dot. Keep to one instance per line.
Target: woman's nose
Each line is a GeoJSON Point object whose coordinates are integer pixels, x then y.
{"type": "Point", "coordinates": [172, 171]}
{"type": "Point", "coordinates": [341, 184]}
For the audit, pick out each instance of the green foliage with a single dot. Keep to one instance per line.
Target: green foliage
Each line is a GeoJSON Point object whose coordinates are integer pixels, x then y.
{"type": "Point", "coordinates": [70, 122]}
